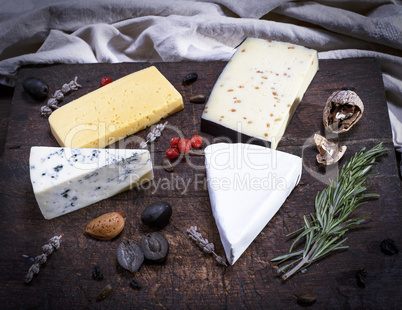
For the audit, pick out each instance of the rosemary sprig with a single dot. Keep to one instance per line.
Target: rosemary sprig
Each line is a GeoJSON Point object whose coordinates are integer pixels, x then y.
{"type": "Point", "coordinates": [324, 233]}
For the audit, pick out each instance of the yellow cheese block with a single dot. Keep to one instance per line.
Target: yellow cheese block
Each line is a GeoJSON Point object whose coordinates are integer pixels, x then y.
{"type": "Point", "coordinates": [116, 110]}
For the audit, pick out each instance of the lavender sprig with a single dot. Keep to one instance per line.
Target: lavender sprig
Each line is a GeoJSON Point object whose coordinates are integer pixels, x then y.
{"type": "Point", "coordinates": [47, 249]}
{"type": "Point", "coordinates": [204, 244]}
{"type": "Point", "coordinates": [58, 95]}
{"type": "Point", "coordinates": [155, 132]}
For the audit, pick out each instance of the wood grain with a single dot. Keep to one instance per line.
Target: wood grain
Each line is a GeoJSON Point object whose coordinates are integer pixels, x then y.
{"type": "Point", "coordinates": [190, 279]}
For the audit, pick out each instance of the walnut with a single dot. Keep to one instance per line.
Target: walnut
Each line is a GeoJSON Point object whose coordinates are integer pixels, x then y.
{"type": "Point", "coordinates": [342, 110]}
{"type": "Point", "coordinates": [330, 152]}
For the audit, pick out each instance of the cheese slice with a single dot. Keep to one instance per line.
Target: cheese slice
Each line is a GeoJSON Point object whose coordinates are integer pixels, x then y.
{"type": "Point", "coordinates": [116, 110]}
{"type": "Point", "coordinates": [67, 179]}
{"type": "Point", "coordinates": [247, 185]}
{"type": "Point", "coordinates": [258, 91]}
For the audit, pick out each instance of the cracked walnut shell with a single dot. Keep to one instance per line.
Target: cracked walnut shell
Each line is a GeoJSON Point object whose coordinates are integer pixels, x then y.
{"type": "Point", "coordinates": [342, 110]}
{"type": "Point", "coordinates": [329, 152]}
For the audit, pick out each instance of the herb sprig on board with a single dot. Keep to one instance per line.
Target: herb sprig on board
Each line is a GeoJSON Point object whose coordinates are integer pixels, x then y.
{"type": "Point", "coordinates": [324, 233]}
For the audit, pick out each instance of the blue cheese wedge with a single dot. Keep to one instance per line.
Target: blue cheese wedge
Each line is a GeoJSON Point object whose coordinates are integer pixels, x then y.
{"type": "Point", "coordinates": [258, 91]}
{"type": "Point", "coordinates": [247, 185]}
{"type": "Point", "coordinates": [68, 179]}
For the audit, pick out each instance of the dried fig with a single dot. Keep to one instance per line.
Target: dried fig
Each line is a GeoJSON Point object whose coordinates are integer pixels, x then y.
{"type": "Point", "coordinates": [342, 110]}
{"type": "Point", "coordinates": [330, 152]}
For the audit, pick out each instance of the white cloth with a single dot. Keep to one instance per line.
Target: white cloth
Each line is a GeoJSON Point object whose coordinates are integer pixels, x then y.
{"type": "Point", "coordinates": [88, 31]}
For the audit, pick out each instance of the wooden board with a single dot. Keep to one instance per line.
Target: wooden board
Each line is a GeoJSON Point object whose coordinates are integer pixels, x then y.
{"type": "Point", "coordinates": [190, 279]}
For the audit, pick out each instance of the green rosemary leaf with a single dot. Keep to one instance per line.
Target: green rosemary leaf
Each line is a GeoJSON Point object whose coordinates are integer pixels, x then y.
{"type": "Point", "coordinates": [324, 234]}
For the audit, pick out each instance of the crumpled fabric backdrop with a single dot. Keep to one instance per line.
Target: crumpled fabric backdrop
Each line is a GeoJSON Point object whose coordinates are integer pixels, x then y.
{"type": "Point", "coordinates": [88, 31]}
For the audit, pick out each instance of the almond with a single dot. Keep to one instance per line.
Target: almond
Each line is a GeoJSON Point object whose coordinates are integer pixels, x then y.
{"type": "Point", "coordinates": [106, 226]}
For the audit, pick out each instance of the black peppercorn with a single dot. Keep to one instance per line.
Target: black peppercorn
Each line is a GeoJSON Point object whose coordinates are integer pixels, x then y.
{"type": "Point", "coordinates": [134, 284]}
{"type": "Point", "coordinates": [97, 273]}
{"type": "Point", "coordinates": [361, 278]}
{"type": "Point", "coordinates": [388, 247]}
{"type": "Point", "coordinates": [189, 78]}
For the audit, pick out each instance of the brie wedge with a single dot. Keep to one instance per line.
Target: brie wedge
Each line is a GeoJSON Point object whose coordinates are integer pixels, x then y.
{"type": "Point", "coordinates": [247, 185]}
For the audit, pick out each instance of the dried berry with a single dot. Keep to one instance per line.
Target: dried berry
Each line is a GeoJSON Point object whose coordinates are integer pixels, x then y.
{"type": "Point", "coordinates": [388, 247]}
{"type": "Point", "coordinates": [189, 78]}
{"type": "Point", "coordinates": [157, 214]}
{"type": "Point", "coordinates": [196, 141]}
{"type": "Point", "coordinates": [106, 291]}
{"type": "Point", "coordinates": [97, 273]}
{"type": "Point", "coordinates": [174, 141]}
{"type": "Point", "coordinates": [155, 247]}
{"type": "Point", "coordinates": [105, 80]}
{"type": "Point", "coordinates": [135, 285]}
{"type": "Point", "coordinates": [35, 87]}
{"type": "Point", "coordinates": [172, 153]}
{"type": "Point", "coordinates": [306, 299]}
{"type": "Point", "coordinates": [198, 98]}
{"type": "Point", "coordinates": [130, 256]}
{"type": "Point", "coordinates": [361, 278]}
{"type": "Point", "coordinates": [184, 146]}
{"type": "Point", "coordinates": [167, 165]}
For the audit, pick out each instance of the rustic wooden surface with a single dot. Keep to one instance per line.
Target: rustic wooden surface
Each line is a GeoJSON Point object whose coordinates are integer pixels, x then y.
{"type": "Point", "coordinates": [190, 279]}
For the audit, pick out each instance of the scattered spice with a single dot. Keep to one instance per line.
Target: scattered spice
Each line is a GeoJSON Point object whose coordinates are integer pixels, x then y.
{"type": "Point", "coordinates": [189, 78]}
{"type": "Point", "coordinates": [306, 299]}
{"type": "Point", "coordinates": [155, 132]}
{"type": "Point", "coordinates": [106, 292]}
{"type": "Point", "coordinates": [135, 285]}
{"type": "Point", "coordinates": [97, 273]}
{"type": "Point", "coordinates": [206, 246]}
{"type": "Point", "coordinates": [52, 103]}
{"type": "Point", "coordinates": [198, 98]}
{"type": "Point", "coordinates": [361, 278]}
{"type": "Point", "coordinates": [388, 247]}
{"type": "Point", "coordinates": [167, 165]}
{"type": "Point", "coordinates": [47, 249]}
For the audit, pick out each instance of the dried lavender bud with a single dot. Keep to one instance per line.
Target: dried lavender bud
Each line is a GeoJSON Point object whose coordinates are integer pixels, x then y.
{"type": "Point", "coordinates": [134, 284]}
{"type": "Point", "coordinates": [106, 291]}
{"type": "Point", "coordinates": [204, 244]}
{"type": "Point", "coordinates": [388, 247]}
{"type": "Point", "coordinates": [55, 242]}
{"type": "Point", "coordinates": [97, 273]}
{"type": "Point", "coordinates": [41, 259]}
{"type": "Point", "coordinates": [189, 78]}
{"type": "Point", "coordinates": [45, 111]}
{"type": "Point", "coordinates": [34, 269]}
{"type": "Point", "coordinates": [29, 277]}
{"type": "Point", "coordinates": [58, 95]}
{"type": "Point", "coordinates": [153, 134]}
{"type": "Point", "coordinates": [306, 299]}
{"type": "Point", "coordinates": [47, 249]}
{"type": "Point", "coordinates": [361, 278]}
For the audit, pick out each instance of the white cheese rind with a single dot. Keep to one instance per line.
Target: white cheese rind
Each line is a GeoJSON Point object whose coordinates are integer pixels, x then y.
{"type": "Point", "coordinates": [260, 88]}
{"type": "Point", "coordinates": [68, 179]}
{"type": "Point", "coordinates": [247, 185]}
